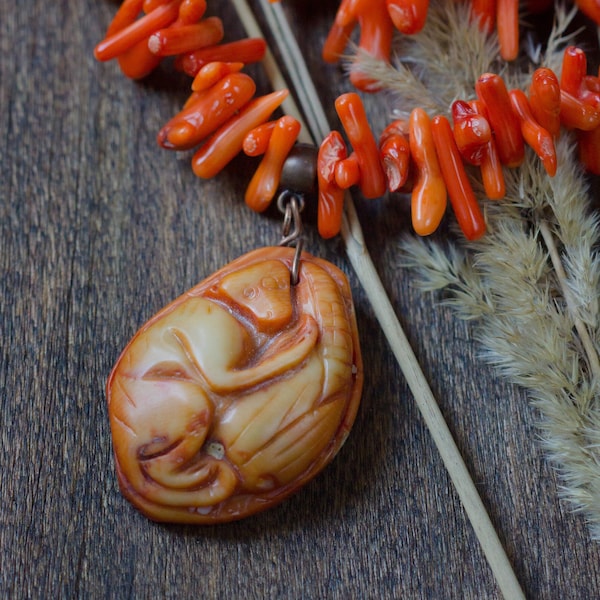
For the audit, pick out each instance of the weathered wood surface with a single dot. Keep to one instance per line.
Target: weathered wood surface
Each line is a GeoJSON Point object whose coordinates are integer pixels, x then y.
{"type": "Point", "coordinates": [99, 228]}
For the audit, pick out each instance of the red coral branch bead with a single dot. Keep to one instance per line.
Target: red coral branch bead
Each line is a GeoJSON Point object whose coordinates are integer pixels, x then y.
{"type": "Point", "coordinates": [227, 141]}
{"type": "Point", "coordinates": [460, 191]}
{"type": "Point", "coordinates": [429, 196]}
{"type": "Point", "coordinates": [352, 114]}
{"type": "Point", "coordinates": [186, 38]}
{"type": "Point", "coordinates": [212, 73]}
{"type": "Point", "coordinates": [507, 26]}
{"type": "Point", "coordinates": [534, 134]}
{"type": "Point", "coordinates": [257, 140]}
{"type": "Point", "coordinates": [394, 154]}
{"type": "Point", "coordinates": [472, 132]}
{"type": "Point", "coordinates": [331, 196]}
{"type": "Point", "coordinates": [491, 90]}
{"type": "Point", "coordinates": [492, 175]}
{"type": "Point", "coordinates": [265, 181]}
{"type": "Point", "coordinates": [246, 51]}
{"type": "Point", "coordinates": [213, 108]}
{"type": "Point", "coordinates": [408, 16]}
{"type": "Point", "coordinates": [544, 99]}
{"type": "Point", "coordinates": [125, 16]}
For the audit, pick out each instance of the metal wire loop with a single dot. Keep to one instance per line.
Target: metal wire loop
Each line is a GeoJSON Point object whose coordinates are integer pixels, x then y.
{"type": "Point", "coordinates": [291, 205]}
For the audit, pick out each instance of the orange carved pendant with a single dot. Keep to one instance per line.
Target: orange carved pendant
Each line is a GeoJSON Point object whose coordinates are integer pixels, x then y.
{"type": "Point", "coordinates": [237, 393]}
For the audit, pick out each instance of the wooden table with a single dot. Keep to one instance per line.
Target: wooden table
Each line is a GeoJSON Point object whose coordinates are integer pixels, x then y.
{"type": "Point", "coordinates": [99, 229]}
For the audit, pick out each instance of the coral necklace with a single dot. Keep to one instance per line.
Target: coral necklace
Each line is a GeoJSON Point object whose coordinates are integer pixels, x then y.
{"type": "Point", "coordinates": [223, 349]}
{"type": "Point", "coordinates": [244, 388]}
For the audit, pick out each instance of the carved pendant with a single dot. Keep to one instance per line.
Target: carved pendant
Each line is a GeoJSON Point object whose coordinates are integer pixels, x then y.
{"type": "Point", "coordinates": [237, 393]}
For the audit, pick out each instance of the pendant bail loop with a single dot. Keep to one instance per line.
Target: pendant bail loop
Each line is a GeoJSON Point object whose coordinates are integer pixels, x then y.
{"type": "Point", "coordinates": [291, 205]}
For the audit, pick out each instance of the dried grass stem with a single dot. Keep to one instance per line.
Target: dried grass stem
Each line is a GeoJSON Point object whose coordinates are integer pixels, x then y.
{"type": "Point", "coordinates": [561, 276]}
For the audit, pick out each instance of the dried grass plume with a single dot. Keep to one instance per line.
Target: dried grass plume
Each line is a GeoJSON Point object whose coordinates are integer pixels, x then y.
{"type": "Point", "coordinates": [530, 286]}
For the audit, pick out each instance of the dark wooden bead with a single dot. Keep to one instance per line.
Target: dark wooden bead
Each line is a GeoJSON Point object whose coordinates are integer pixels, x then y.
{"type": "Point", "coordinates": [299, 172]}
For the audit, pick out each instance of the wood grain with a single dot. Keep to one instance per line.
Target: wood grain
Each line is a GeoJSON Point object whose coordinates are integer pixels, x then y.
{"type": "Point", "coordinates": [99, 228]}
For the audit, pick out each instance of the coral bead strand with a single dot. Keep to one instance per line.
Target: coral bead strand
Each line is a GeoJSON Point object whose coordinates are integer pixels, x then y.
{"type": "Point", "coordinates": [489, 132]}
{"type": "Point", "coordinates": [408, 17]}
